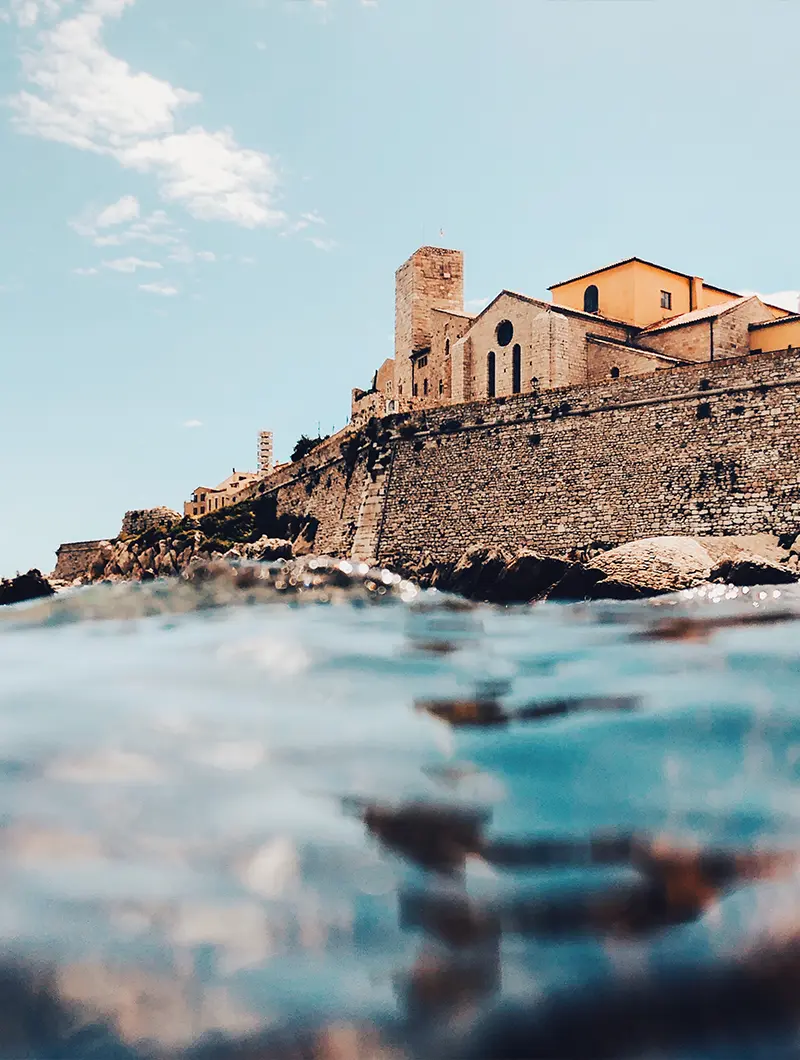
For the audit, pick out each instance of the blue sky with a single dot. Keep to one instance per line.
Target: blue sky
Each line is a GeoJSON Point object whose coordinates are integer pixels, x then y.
{"type": "Point", "coordinates": [203, 202]}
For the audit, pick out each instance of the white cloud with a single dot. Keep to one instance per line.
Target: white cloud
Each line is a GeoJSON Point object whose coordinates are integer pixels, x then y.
{"type": "Point", "coordinates": [164, 289]}
{"type": "Point", "coordinates": [26, 13]}
{"type": "Point", "coordinates": [131, 265]}
{"type": "Point", "coordinates": [313, 218]}
{"type": "Point", "coordinates": [85, 272]}
{"type": "Point", "coordinates": [193, 423]}
{"type": "Point", "coordinates": [156, 229]}
{"type": "Point", "coordinates": [322, 244]}
{"type": "Point", "coordinates": [185, 256]}
{"type": "Point", "coordinates": [214, 178]}
{"type": "Point", "coordinates": [80, 94]}
{"type": "Point", "coordinates": [125, 209]}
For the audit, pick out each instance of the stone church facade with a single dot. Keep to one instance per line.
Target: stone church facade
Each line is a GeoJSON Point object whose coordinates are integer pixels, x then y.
{"type": "Point", "coordinates": [627, 319]}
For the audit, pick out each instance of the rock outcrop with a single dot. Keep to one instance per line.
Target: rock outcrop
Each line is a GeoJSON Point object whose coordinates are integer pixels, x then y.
{"type": "Point", "coordinates": [640, 568]}
{"type": "Point", "coordinates": [252, 530]}
{"type": "Point", "coordinates": [649, 567]}
{"type": "Point", "coordinates": [30, 586]}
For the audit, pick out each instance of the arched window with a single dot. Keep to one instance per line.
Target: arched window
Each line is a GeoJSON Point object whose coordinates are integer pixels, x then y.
{"type": "Point", "coordinates": [447, 347]}
{"type": "Point", "coordinates": [490, 374]}
{"type": "Point", "coordinates": [615, 373]}
{"type": "Point", "coordinates": [591, 300]}
{"type": "Point", "coordinates": [516, 369]}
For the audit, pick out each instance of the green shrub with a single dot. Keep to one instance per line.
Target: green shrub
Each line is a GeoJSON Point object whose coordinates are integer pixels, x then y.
{"type": "Point", "coordinates": [304, 445]}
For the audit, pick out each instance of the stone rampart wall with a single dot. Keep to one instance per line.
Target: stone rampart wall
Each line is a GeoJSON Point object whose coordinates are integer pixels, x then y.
{"type": "Point", "coordinates": [327, 486]}
{"type": "Point", "coordinates": [74, 558]}
{"type": "Point", "coordinates": [703, 449]}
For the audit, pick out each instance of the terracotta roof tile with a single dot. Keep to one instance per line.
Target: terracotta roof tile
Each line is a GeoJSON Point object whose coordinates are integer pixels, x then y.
{"type": "Point", "coordinates": [696, 315]}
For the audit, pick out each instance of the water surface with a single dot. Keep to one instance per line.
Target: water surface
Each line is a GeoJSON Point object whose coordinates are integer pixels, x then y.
{"type": "Point", "coordinates": [368, 818]}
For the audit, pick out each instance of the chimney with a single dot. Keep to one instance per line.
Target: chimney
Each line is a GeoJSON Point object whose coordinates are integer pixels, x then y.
{"type": "Point", "coordinates": [695, 293]}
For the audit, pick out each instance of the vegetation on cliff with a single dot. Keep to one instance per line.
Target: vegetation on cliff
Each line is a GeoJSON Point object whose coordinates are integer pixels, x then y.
{"type": "Point", "coordinates": [304, 445]}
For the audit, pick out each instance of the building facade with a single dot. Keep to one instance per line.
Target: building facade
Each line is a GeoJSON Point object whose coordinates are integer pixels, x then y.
{"type": "Point", "coordinates": [630, 318]}
{"type": "Point", "coordinates": [207, 499]}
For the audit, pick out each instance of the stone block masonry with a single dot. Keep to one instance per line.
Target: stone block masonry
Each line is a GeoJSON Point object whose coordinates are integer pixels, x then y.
{"type": "Point", "coordinates": [703, 449]}
{"type": "Point", "coordinates": [707, 449]}
{"type": "Point", "coordinates": [74, 558]}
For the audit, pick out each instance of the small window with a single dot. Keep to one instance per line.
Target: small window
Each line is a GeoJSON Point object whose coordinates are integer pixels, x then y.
{"type": "Point", "coordinates": [615, 373]}
{"type": "Point", "coordinates": [441, 387]}
{"type": "Point", "coordinates": [490, 381]}
{"type": "Point", "coordinates": [424, 386]}
{"type": "Point", "coordinates": [505, 332]}
{"type": "Point", "coordinates": [591, 300]}
{"type": "Point", "coordinates": [516, 369]}
{"type": "Point", "coordinates": [422, 361]}
{"type": "Point", "coordinates": [416, 389]}
{"type": "Point", "coordinates": [447, 347]}
{"type": "Point", "coordinates": [666, 300]}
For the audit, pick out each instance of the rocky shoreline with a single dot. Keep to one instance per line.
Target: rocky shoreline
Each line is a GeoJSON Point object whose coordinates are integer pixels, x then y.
{"type": "Point", "coordinates": [161, 544]}
{"type": "Point", "coordinates": [30, 586]}
{"type": "Point", "coordinates": [648, 567]}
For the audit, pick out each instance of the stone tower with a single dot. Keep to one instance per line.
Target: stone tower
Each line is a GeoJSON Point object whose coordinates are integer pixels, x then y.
{"type": "Point", "coordinates": [431, 278]}
{"type": "Point", "coordinates": [265, 452]}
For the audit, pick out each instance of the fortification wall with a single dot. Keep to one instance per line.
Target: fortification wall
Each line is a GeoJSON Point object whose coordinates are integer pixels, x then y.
{"type": "Point", "coordinates": [74, 558]}
{"type": "Point", "coordinates": [702, 449]}
{"type": "Point", "coordinates": [327, 487]}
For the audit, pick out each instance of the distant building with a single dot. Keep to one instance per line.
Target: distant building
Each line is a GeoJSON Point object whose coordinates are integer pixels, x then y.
{"type": "Point", "coordinates": [207, 499]}
{"type": "Point", "coordinates": [630, 318]}
{"type": "Point", "coordinates": [266, 453]}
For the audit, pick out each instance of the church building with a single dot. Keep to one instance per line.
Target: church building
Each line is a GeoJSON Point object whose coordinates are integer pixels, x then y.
{"type": "Point", "coordinates": [629, 318]}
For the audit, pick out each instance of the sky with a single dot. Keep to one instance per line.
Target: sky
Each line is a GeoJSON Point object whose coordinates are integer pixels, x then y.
{"type": "Point", "coordinates": [203, 203]}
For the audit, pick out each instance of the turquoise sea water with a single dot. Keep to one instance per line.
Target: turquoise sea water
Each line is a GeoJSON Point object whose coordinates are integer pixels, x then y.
{"type": "Point", "coordinates": [390, 818]}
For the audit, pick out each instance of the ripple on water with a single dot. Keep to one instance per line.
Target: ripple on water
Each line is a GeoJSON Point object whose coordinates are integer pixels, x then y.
{"type": "Point", "coordinates": [348, 809]}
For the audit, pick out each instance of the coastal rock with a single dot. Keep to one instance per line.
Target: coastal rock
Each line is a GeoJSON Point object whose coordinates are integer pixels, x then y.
{"type": "Point", "coordinates": [30, 586]}
{"type": "Point", "coordinates": [266, 549]}
{"type": "Point", "coordinates": [303, 544]}
{"type": "Point", "coordinates": [649, 567]}
{"type": "Point", "coordinates": [477, 572]}
{"type": "Point", "coordinates": [529, 576]}
{"type": "Point", "coordinates": [427, 572]}
{"type": "Point", "coordinates": [746, 568]}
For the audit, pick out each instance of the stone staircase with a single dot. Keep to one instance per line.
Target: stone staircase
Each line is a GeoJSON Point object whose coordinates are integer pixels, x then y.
{"type": "Point", "coordinates": [370, 512]}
